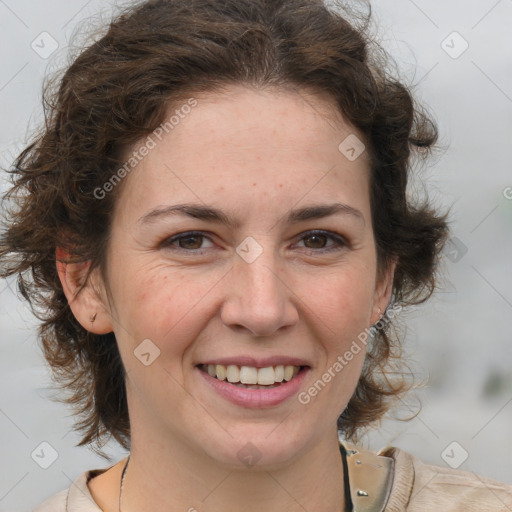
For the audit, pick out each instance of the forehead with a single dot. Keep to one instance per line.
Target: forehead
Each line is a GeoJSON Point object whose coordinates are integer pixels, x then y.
{"type": "Point", "coordinates": [282, 144]}
{"type": "Point", "coordinates": [269, 115]}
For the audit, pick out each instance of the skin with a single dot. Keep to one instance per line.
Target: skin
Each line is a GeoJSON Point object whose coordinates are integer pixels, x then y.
{"type": "Point", "coordinates": [256, 155]}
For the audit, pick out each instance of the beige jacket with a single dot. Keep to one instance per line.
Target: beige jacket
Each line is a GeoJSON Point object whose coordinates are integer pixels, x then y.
{"type": "Point", "coordinates": [390, 481]}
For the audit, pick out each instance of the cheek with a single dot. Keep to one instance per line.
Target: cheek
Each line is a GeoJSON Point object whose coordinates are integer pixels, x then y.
{"type": "Point", "coordinates": [342, 310]}
{"type": "Point", "coordinates": [164, 305]}
{"type": "Point", "coordinates": [341, 302]}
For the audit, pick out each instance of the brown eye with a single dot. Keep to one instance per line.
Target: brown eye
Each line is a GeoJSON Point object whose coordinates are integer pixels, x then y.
{"type": "Point", "coordinates": [321, 241]}
{"type": "Point", "coordinates": [315, 241]}
{"type": "Point", "coordinates": [191, 242]}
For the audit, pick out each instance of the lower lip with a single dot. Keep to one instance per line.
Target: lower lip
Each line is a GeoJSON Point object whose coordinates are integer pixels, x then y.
{"type": "Point", "coordinates": [256, 398]}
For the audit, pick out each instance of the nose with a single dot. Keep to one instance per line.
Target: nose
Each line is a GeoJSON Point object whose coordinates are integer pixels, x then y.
{"type": "Point", "coordinates": [258, 300]}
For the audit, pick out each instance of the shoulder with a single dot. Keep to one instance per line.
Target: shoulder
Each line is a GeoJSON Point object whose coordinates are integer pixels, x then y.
{"type": "Point", "coordinates": [57, 503]}
{"type": "Point", "coordinates": [406, 484]}
{"type": "Point", "coordinates": [75, 499]}
{"type": "Point", "coordinates": [441, 488]}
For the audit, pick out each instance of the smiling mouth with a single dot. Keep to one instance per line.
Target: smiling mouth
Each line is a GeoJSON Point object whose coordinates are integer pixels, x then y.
{"type": "Point", "coordinates": [251, 377]}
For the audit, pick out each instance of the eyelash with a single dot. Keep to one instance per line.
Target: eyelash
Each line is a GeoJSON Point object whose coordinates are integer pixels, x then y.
{"type": "Point", "coordinates": [339, 241]}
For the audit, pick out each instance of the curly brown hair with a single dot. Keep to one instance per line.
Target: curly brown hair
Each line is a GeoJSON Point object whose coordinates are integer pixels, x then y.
{"type": "Point", "coordinates": [119, 89]}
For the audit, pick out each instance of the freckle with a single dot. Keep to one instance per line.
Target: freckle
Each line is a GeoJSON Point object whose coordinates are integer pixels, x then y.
{"type": "Point", "coordinates": [254, 184]}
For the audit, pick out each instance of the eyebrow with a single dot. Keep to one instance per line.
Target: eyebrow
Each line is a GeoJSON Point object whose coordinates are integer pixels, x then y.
{"type": "Point", "coordinates": [208, 213]}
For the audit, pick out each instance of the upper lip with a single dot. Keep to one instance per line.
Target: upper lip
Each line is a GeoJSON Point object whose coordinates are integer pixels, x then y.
{"type": "Point", "coordinates": [258, 362]}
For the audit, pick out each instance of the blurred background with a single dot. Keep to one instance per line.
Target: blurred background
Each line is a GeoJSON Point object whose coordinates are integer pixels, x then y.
{"type": "Point", "coordinates": [457, 56]}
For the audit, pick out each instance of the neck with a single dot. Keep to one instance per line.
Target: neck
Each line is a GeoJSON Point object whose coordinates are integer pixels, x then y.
{"type": "Point", "coordinates": [171, 476]}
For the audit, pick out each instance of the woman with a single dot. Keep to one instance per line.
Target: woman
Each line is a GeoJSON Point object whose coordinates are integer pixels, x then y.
{"type": "Point", "coordinates": [217, 227]}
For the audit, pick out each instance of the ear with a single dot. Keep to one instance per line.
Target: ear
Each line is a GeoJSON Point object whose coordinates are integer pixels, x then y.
{"type": "Point", "coordinates": [88, 303]}
{"type": "Point", "coordinates": [383, 291]}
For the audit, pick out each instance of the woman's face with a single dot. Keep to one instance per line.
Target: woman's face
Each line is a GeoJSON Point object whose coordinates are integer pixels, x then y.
{"type": "Point", "coordinates": [244, 239]}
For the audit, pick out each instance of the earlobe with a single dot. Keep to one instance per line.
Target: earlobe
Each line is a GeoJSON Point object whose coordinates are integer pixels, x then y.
{"type": "Point", "coordinates": [383, 292]}
{"type": "Point", "coordinates": [84, 298]}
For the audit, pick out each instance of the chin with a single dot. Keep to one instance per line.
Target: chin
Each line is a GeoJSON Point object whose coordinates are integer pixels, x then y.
{"type": "Point", "coordinates": [257, 447]}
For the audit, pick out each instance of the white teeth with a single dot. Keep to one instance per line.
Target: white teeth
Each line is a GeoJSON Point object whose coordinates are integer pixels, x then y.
{"type": "Point", "coordinates": [288, 373]}
{"type": "Point", "coordinates": [248, 375]}
{"type": "Point", "coordinates": [253, 376]}
{"type": "Point", "coordinates": [221, 372]}
{"type": "Point", "coordinates": [266, 376]}
{"type": "Point", "coordinates": [233, 373]}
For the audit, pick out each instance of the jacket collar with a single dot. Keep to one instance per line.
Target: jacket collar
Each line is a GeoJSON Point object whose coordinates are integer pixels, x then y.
{"type": "Point", "coordinates": [370, 477]}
